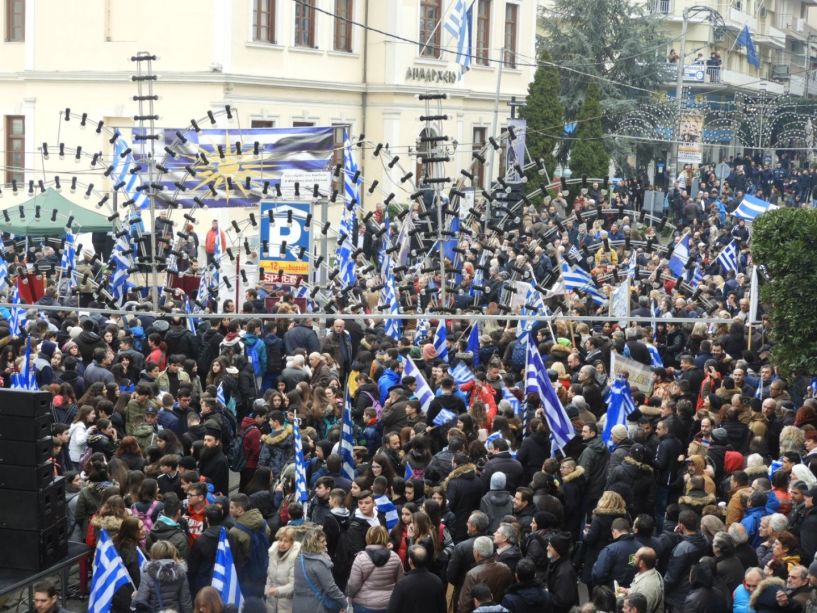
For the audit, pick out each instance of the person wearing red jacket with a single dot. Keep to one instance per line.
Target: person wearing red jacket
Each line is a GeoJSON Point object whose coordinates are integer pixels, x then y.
{"type": "Point", "coordinates": [210, 241]}
{"type": "Point", "coordinates": [251, 441]}
{"type": "Point", "coordinates": [479, 390]}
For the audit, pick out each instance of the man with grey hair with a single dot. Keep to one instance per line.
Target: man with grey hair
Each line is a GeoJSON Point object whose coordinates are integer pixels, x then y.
{"type": "Point", "coordinates": [507, 551]}
{"type": "Point", "coordinates": [770, 527]}
{"type": "Point", "coordinates": [496, 575]}
{"type": "Point", "coordinates": [799, 590]}
{"type": "Point", "coordinates": [743, 550]}
{"type": "Point", "coordinates": [462, 558]}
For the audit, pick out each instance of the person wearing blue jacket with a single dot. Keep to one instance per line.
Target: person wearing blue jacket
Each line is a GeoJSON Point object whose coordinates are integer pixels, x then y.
{"type": "Point", "coordinates": [754, 513]}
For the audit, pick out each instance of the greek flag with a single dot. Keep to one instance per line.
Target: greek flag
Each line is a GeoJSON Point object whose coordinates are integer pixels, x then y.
{"type": "Point", "coordinates": [619, 405]}
{"type": "Point", "coordinates": [578, 279]}
{"type": "Point", "coordinates": [191, 322]}
{"type": "Point", "coordinates": [109, 575]}
{"type": "Point", "coordinates": [694, 277]}
{"type": "Point", "coordinates": [27, 378]}
{"type": "Point", "coordinates": [459, 24]}
{"type": "Point", "coordinates": [534, 304]}
{"type": "Point", "coordinates": [680, 256]}
{"type": "Point", "coordinates": [122, 257]}
{"type": "Point", "coordinates": [461, 373]}
{"type": "Point", "coordinates": [489, 442]}
{"type": "Point", "coordinates": [218, 252]}
{"type": "Point", "coordinates": [657, 362]}
{"type": "Point", "coordinates": [17, 321]}
{"type": "Point", "coordinates": [537, 382]}
{"type": "Point", "coordinates": [512, 400]}
{"type": "Point", "coordinates": [389, 297]}
{"type": "Point", "coordinates": [301, 492]}
{"type": "Point", "coordinates": [423, 391]}
{"type": "Point", "coordinates": [123, 164]}
{"type": "Point", "coordinates": [386, 506]}
{"type": "Point", "coordinates": [220, 397]}
{"type": "Point", "coordinates": [351, 192]}
{"type": "Point", "coordinates": [440, 338]}
{"type": "Point", "coordinates": [728, 258]}
{"type": "Point", "coordinates": [141, 558]}
{"type": "Point", "coordinates": [631, 268]}
{"type": "Point", "coordinates": [4, 267]}
{"type": "Point", "coordinates": [751, 206]}
{"type": "Point", "coordinates": [421, 331]}
{"type": "Point", "coordinates": [225, 577]}
{"type": "Point", "coordinates": [655, 313]}
{"type": "Point", "coordinates": [347, 441]}
{"type": "Point", "coordinates": [68, 261]}
{"type": "Point", "coordinates": [408, 474]}
{"type": "Point", "coordinates": [443, 417]}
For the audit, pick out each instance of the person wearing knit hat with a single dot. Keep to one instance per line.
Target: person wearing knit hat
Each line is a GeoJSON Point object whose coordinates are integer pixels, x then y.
{"type": "Point", "coordinates": [561, 578]}
{"type": "Point", "coordinates": [429, 353]}
{"type": "Point", "coordinates": [497, 502]}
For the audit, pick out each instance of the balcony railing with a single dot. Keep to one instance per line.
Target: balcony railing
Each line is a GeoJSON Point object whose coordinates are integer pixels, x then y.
{"type": "Point", "coordinates": [661, 7]}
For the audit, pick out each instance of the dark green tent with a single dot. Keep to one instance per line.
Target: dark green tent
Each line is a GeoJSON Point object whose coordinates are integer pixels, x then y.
{"type": "Point", "coordinates": [84, 220]}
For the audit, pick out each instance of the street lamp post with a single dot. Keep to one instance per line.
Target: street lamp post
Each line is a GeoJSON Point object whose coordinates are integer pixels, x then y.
{"type": "Point", "coordinates": [715, 18]}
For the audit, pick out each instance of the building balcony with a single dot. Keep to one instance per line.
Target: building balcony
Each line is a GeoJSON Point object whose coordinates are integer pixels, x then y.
{"type": "Point", "coordinates": [700, 75]}
{"type": "Point", "coordinates": [662, 7]}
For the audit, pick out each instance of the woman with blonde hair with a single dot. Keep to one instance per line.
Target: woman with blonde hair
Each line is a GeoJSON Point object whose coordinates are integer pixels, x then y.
{"type": "Point", "coordinates": [375, 571]}
{"type": "Point", "coordinates": [315, 589]}
{"type": "Point", "coordinates": [164, 581]}
{"type": "Point", "coordinates": [281, 571]}
{"type": "Point", "coordinates": [598, 535]}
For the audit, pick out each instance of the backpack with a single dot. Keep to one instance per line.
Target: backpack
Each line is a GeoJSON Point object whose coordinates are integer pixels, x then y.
{"type": "Point", "coordinates": [275, 359]}
{"type": "Point", "coordinates": [375, 404]}
{"type": "Point", "coordinates": [252, 356]}
{"type": "Point", "coordinates": [258, 561]}
{"type": "Point", "coordinates": [236, 457]}
{"type": "Point", "coordinates": [518, 355]}
{"type": "Point", "coordinates": [146, 516]}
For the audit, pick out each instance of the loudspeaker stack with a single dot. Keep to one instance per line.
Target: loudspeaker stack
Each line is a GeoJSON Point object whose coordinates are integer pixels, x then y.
{"type": "Point", "coordinates": [33, 526]}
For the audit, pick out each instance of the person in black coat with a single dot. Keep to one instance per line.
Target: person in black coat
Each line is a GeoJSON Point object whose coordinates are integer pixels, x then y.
{"type": "Point", "coordinates": [535, 449]}
{"type": "Point", "coordinates": [462, 557]}
{"type": "Point", "coordinates": [528, 594]}
{"type": "Point", "coordinates": [501, 461]}
{"type": "Point", "coordinates": [562, 583]}
{"type": "Point", "coordinates": [212, 461]}
{"type": "Point", "coordinates": [573, 486]}
{"type": "Point", "coordinates": [610, 507]}
{"type": "Point", "coordinates": [614, 561]}
{"type": "Point", "coordinates": [418, 589]}
{"type": "Point", "coordinates": [464, 491]}
{"type": "Point", "coordinates": [202, 555]}
{"type": "Point", "coordinates": [634, 479]}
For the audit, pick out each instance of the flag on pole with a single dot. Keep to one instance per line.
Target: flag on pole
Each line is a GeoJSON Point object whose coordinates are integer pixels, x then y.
{"type": "Point", "coordinates": [619, 405]}
{"type": "Point", "coordinates": [423, 391]}
{"type": "Point", "coordinates": [351, 193]}
{"type": "Point", "coordinates": [421, 331]}
{"type": "Point", "coordinates": [4, 267]}
{"type": "Point", "coordinates": [109, 575]}
{"type": "Point", "coordinates": [728, 258]}
{"type": "Point", "coordinates": [680, 256]}
{"type": "Point", "coordinates": [751, 207]}
{"type": "Point", "coordinates": [68, 261]}
{"type": "Point", "coordinates": [388, 297]}
{"type": "Point", "coordinates": [220, 397]}
{"type": "Point", "coordinates": [26, 379]}
{"type": "Point", "coordinates": [386, 506]}
{"type": "Point", "coordinates": [461, 373]}
{"type": "Point", "coordinates": [347, 441]}
{"type": "Point", "coordinates": [578, 279]}
{"type": "Point", "coordinates": [225, 576]}
{"type": "Point", "coordinates": [745, 40]}
{"type": "Point", "coordinates": [538, 382]}
{"type": "Point", "coordinates": [301, 493]}
{"type": "Point", "coordinates": [459, 25]}
{"type": "Point", "coordinates": [440, 341]}
{"type": "Point", "coordinates": [191, 322]}
{"type": "Point", "coordinates": [754, 294]}
{"type": "Point", "coordinates": [17, 321]}
{"type": "Point", "coordinates": [408, 474]}
{"type": "Point", "coordinates": [141, 558]}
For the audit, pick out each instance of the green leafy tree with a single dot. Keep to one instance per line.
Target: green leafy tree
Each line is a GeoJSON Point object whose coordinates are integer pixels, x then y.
{"type": "Point", "coordinates": [782, 242]}
{"type": "Point", "coordinates": [543, 112]}
{"type": "Point", "coordinates": [616, 41]}
{"type": "Point", "coordinates": [589, 156]}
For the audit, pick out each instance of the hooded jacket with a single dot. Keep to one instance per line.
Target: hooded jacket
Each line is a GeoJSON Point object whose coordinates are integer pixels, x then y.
{"type": "Point", "coordinates": [594, 459]}
{"type": "Point", "coordinates": [164, 587]}
{"type": "Point", "coordinates": [523, 597]}
{"type": "Point", "coordinates": [375, 572]}
{"type": "Point", "coordinates": [240, 540]}
{"type": "Point", "coordinates": [573, 486]}
{"type": "Point", "coordinates": [496, 504]}
{"type": "Point", "coordinates": [464, 492]}
{"type": "Point", "coordinates": [276, 450]}
{"type": "Point", "coordinates": [635, 481]}
{"type": "Point", "coordinates": [166, 529]}
{"type": "Point", "coordinates": [683, 557]}
{"type": "Point", "coordinates": [87, 341]}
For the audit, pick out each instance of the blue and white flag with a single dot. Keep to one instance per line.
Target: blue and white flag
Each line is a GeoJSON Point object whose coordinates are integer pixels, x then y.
{"type": "Point", "coordinates": [751, 206]}
{"type": "Point", "coordinates": [351, 193]}
{"type": "Point", "coordinates": [422, 331]}
{"type": "Point", "coordinates": [461, 373]}
{"type": "Point", "coordinates": [440, 341]}
{"type": "Point", "coordinates": [347, 441]}
{"type": "Point", "coordinates": [655, 356]}
{"type": "Point", "coordinates": [109, 575]}
{"type": "Point", "coordinates": [473, 343]}
{"type": "Point", "coordinates": [301, 493]}
{"type": "Point", "coordinates": [423, 391]}
{"type": "Point", "coordinates": [17, 321]}
{"type": "Point", "coordinates": [728, 258]}
{"type": "Point", "coordinates": [122, 257]}
{"type": "Point", "coordinates": [408, 474]}
{"type": "Point", "coordinates": [494, 436]}
{"type": "Point", "coordinates": [191, 322]}
{"type": "Point", "coordinates": [459, 25]}
{"type": "Point", "coordinates": [141, 558]}
{"type": "Point", "coordinates": [4, 267]}
{"type": "Point", "coordinates": [619, 405]}
{"type": "Point", "coordinates": [225, 576]}
{"type": "Point", "coordinates": [386, 506]}
{"type": "Point", "coordinates": [220, 397]}
{"type": "Point", "coordinates": [538, 382]}
{"type": "Point", "coordinates": [26, 379]}
{"type": "Point", "coordinates": [126, 173]}
{"type": "Point", "coordinates": [632, 266]}
{"type": "Point", "coordinates": [578, 279]}
{"type": "Point", "coordinates": [512, 400]}
{"type": "Point", "coordinates": [443, 417]}
{"type": "Point", "coordinates": [218, 253]}
{"type": "Point", "coordinates": [534, 305]}
{"type": "Point", "coordinates": [68, 261]}
{"type": "Point", "coordinates": [389, 298]}
{"type": "Point", "coordinates": [680, 256]}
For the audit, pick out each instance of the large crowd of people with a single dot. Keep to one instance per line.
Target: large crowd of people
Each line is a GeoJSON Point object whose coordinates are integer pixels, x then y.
{"type": "Point", "coordinates": [703, 500]}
